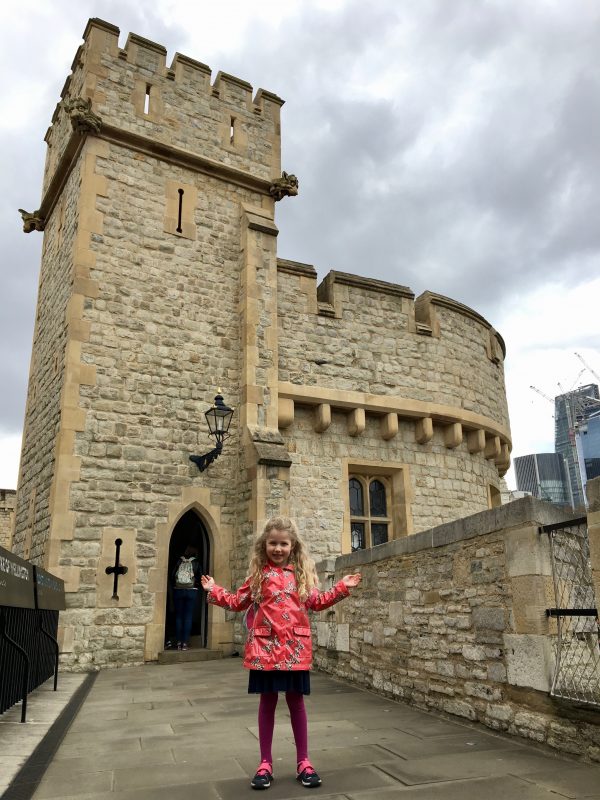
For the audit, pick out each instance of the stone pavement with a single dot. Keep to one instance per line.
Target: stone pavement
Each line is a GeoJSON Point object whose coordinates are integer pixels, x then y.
{"type": "Point", "coordinates": [189, 731]}
{"type": "Point", "coordinates": [18, 740]}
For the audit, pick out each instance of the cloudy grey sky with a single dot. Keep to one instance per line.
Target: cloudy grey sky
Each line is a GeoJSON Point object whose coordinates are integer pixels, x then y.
{"type": "Point", "coordinates": [450, 145]}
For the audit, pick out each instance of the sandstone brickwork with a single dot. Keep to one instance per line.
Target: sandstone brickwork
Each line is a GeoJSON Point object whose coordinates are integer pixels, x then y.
{"type": "Point", "coordinates": [7, 517]}
{"type": "Point", "coordinates": [160, 285]}
{"type": "Point", "coordinates": [454, 619]}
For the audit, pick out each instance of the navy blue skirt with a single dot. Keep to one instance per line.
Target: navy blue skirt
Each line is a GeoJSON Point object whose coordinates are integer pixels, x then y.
{"type": "Point", "coordinates": [273, 680]}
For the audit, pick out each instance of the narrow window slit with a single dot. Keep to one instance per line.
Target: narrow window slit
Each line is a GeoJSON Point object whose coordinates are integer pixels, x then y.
{"type": "Point", "coordinates": [179, 228]}
{"type": "Point", "coordinates": [231, 130]}
{"type": "Point", "coordinates": [147, 99]}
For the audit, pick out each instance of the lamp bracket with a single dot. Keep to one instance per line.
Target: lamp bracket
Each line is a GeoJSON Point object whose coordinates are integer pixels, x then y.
{"type": "Point", "coordinates": [204, 461]}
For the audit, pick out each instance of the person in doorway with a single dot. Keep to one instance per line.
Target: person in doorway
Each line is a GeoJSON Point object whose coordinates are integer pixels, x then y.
{"type": "Point", "coordinates": [282, 588]}
{"type": "Point", "coordinates": [186, 582]}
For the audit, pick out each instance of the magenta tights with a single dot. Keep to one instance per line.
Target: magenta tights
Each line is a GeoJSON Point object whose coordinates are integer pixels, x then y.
{"type": "Point", "coordinates": [266, 724]}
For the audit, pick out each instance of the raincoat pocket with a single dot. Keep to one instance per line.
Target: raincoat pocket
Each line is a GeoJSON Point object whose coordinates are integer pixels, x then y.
{"type": "Point", "coordinates": [300, 631]}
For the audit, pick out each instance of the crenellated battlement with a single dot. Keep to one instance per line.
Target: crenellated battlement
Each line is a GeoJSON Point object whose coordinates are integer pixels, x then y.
{"type": "Point", "coordinates": [341, 293]}
{"type": "Point", "coordinates": [134, 90]}
{"type": "Point", "coordinates": [359, 343]}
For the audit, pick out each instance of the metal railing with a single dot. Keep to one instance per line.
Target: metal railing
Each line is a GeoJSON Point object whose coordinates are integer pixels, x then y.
{"type": "Point", "coordinates": [30, 601]}
{"type": "Point", "coordinates": [577, 652]}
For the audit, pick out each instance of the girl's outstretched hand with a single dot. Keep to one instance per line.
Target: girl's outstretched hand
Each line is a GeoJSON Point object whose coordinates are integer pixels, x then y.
{"type": "Point", "coordinates": [207, 582]}
{"type": "Point", "coordinates": [352, 580]}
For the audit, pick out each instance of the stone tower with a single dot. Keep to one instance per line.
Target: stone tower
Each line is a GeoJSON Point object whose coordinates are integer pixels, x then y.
{"type": "Point", "coordinates": [157, 212]}
{"type": "Point", "coordinates": [160, 285]}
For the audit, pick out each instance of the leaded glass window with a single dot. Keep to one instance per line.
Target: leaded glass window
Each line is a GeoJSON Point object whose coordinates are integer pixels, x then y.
{"type": "Point", "coordinates": [356, 498]}
{"type": "Point", "coordinates": [377, 499]}
{"type": "Point", "coordinates": [369, 500]}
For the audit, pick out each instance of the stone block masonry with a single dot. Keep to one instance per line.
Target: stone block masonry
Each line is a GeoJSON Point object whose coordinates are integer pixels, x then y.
{"type": "Point", "coordinates": [7, 517]}
{"type": "Point", "coordinates": [454, 619]}
{"type": "Point", "coordinates": [159, 286]}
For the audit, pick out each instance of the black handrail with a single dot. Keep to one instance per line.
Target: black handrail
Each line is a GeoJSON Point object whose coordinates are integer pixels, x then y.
{"type": "Point", "coordinates": [30, 601]}
{"type": "Point", "coordinates": [23, 654]}
{"type": "Point", "coordinates": [56, 650]}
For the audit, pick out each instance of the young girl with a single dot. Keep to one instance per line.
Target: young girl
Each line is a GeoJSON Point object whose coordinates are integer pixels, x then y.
{"type": "Point", "coordinates": [283, 586]}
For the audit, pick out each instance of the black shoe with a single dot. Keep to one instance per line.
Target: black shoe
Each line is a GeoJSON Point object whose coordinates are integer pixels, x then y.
{"type": "Point", "coordinates": [262, 779]}
{"type": "Point", "coordinates": [308, 777]}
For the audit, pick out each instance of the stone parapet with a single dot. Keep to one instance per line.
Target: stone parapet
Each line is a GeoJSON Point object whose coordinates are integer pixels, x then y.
{"type": "Point", "coordinates": [454, 619]}
{"type": "Point", "coordinates": [132, 89]}
{"type": "Point", "coordinates": [429, 358]}
{"type": "Point", "coordinates": [7, 517]}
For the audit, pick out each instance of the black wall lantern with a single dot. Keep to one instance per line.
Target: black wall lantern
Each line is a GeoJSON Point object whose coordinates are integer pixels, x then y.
{"type": "Point", "coordinates": [219, 420]}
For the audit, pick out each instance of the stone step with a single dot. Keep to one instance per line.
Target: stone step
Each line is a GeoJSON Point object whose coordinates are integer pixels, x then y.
{"type": "Point", "coordinates": [193, 654]}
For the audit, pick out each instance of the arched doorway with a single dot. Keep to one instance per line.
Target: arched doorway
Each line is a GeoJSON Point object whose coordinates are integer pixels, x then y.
{"type": "Point", "coordinates": [189, 531]}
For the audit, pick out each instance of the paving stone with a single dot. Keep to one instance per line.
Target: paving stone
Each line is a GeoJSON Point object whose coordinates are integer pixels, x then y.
{"type": "Point", "coordinates": [410, 746]}
{"type": "Point", "coordinates": [570, 780]}
{"type": "Point", "coordinates": [428, 727]}
{"type": "Point", "coordinates": [91, 763]}
{"type": "Point", "coordinates": [173, 774]}
{"type": "Point", "coordinates": [200, 791]}
{"type": "Point", "coordinates": [497, 788]}
{"type": "Point", "coordinates": [66, 784]}
{"type": "Point", "coordinates": [449, 767]}
{"type": "Point", "coordinates": [122, 731]}
{"type": "Point", "coordinates": [73, 747]}
{"type": "Point", "coordinates": [337, 783]}
{"type": "Point", "coordinates": [355, 758]}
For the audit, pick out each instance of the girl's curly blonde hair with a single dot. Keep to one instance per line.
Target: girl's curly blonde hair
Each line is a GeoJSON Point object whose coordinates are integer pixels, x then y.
{"type": "Point", "coordinates": [306, 574]}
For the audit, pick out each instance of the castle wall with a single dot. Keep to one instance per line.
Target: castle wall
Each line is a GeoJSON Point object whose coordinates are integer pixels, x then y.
{"type": "Point", "coordinates": [160, 285]}
{"type": "Point", "coordinates": [159, 301]}
{"type": "Point", "coordinates": [454, 619]}
{"type": "Point", "coordinates": [356, 345]}
{"type": "Point", "coordinates": [46, 378]}
{"type": "Point", "coordinates": [133, 90]}
{"type": "Point", "coordinates": [7, 517]}
{"type": "Point", "coordinates": [171, 216]}
{"type": "Point", "coordinates": [441, 484]}
{"type": "Point", "coordinates": [365, 337]}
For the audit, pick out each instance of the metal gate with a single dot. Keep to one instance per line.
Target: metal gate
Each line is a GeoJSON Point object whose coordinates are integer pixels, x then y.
{"type": "Point", "coordinates": [577, 664]}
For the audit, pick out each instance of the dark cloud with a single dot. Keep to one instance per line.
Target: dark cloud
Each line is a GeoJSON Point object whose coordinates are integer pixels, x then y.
{"type": "Point", "coordinates": [444, 146]}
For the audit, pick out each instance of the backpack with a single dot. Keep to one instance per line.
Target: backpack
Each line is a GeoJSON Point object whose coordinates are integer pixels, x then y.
{"type": "Point", "coordinates": [184, 577]}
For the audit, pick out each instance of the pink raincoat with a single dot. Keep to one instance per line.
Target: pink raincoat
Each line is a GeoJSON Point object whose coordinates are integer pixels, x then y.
{"type": "Point", "coordinates": [280, 637]}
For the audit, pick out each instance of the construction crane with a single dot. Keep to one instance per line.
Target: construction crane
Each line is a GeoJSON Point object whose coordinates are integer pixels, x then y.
{"type": "Point", "coordinates": [587, 366]}
{"type": "Point", "coordinates": [579, 374]}
{"type": "Point", "coordinates": [545, 396]}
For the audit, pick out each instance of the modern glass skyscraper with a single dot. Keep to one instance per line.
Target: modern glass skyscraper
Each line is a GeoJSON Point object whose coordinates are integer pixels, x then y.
{"type": "Point", "coordinates": [589, 433]}
{"type": "Point", "coordinates": [575, 439]}
{"type": "Point", "coordinates": [544, 475]}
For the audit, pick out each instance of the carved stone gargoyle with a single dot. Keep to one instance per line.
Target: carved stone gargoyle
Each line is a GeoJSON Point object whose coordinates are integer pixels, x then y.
{"type": "Point", "coordinates": [32, 221]}
{"type": "Point", "coordinates": [286, 186]}
{"type": "Point", "coordinates": [82, 117]}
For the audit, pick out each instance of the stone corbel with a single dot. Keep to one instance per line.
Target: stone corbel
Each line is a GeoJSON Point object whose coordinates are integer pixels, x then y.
{"type": "Point", "coordinates": [424, 430]}
{"type": "Point", "coordinates": [426, 321]}
{"type": "Point", "coordinates": [322, 417]}
{"type": "Point", "coordinates": [389, 426]}
{"type": "Point", "coordinates": [492, 448]}
{"type": "Point", "coordinates": [83, 119]}
{"type": "Point", "coordinates": [269, 447]}
{"type": "Point", "coordinates": [503, 460]}
{"type": "Point", "coordinates": [495, 348]}
{"type": "Point", "coordinates": [453, 435]}
{"type": "Point", "coordinates": [356, 421]}
{"type": "Point", "coordinates": [286, 186]}
{"type": "Point", "coordinates": [32, 221]}
{"type": "Point", "coordinates": [285, 411]}
{"type": "Point", "coordinates": [476, 441]}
